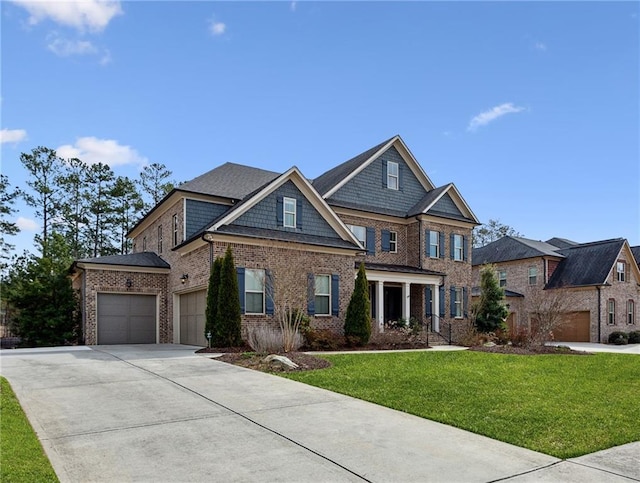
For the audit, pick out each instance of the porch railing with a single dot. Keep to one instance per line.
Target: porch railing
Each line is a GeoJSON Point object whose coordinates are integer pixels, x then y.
{"type": "Point", "coordinates": [444, 328]}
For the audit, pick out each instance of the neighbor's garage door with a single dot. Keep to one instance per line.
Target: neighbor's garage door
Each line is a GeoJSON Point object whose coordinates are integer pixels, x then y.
{"type": "Point", "coordinates": [126, 319]}
{"type": "Point", "coordinates": [575, 328]}
{"type": "Point", "coordinates": [192, 307]}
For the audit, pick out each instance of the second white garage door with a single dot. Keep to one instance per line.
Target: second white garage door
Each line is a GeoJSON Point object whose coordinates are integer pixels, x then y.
{"type": "Point", "coordinates": [192, 308]}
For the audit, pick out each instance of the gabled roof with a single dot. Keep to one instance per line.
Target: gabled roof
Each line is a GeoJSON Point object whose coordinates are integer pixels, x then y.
{"type": "Point", "coordinates": [636, 254]}
{"type": "Point", "coordinates": [429, 204]}
{"type": "Point", "coordinates": [477, 291]}
{"type": "Point", "coordinates": [141, 259]}
{"type": "Point", "coordinates": [586, 264]}
{"type": "Point", "coordinates": [294, 175]}
{"type": "Point", "coordinates": [329, 182]}
{"type": "Point", "coordinates": [229, 180]}
{"type": "Point", "coordinates": [509, 248]}
{"type": "Point", "coordinates": [561, 242]}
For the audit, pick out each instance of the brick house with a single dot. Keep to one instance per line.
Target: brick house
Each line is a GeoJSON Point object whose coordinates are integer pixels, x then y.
{"type": "Point", "coordinates": [379, 208]}
{"type": "Point", "coordinates": [599, 283]}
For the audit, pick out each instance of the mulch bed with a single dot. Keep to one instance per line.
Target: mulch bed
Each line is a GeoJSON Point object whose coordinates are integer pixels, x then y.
{"type": "Point", "coordinates": [529, 351]}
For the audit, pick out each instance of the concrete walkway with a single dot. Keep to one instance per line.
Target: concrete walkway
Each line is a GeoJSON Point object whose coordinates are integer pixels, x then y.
{"type": "Point", "coordinates": [162, 413]}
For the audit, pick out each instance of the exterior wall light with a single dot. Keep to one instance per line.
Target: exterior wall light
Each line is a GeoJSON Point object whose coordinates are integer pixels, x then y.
{"type": "Point", "coordinates": [184, 278]}
{"type": "Point", "coordinates": [129, 283]}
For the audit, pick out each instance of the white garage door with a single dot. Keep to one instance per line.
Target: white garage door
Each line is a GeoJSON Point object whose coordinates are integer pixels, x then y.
{"type": "Point", "coordinates": [126, 319]}
{"type": "Point", "coordinates": [192, 308]}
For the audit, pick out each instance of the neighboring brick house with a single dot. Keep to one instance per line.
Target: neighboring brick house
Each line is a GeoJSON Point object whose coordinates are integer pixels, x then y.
{"type": "Point", "coordinates": [599, 282]}
{"type": "Point", "coordinates": [379, 208]}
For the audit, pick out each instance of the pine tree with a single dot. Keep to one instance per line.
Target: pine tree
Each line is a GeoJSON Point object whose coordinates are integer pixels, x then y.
{"type": "Point", "coordinates": [7, 228]}
{"type": "Point", "coordinates": [228, 313]}
{"type": "Point", "coordinates": [357, 323]}
{"type": "Point", "coordinates": [491, 311]}
{"type": "Point", "coordinates": [212, 323]}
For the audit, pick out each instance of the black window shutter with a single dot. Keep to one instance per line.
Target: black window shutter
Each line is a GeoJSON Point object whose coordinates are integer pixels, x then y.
{"type": "Point", "coordinates": [464, 248]}
{"type": "Point", "coordinates": [441, 295]}
{"type": "Point", "coordinates": [371, 240]}
{"type": "Point", "coordinates": [268, 288]}
{"type": "Point", "coordinates": [427, 244]}
{"type": "Point", "coordinates": [465, 302]}
{"type": "Point", "coordinates": [427, 300]}
{"type": "Point", "coordinates": [385, 239]}
{"type": "Point", "coordinates": [240, 272]}
{"type": "Point", "coordinates": [384, 173]}
{"type": "Point", "coordinates": [452, 246]}
{"type": "Point", "coordinates": [452, 301]}
{"type": "Point", "coordinates": [311, 294]}
{"type": "Point", "coordinates": [280, 211]}
{"type": "Point", "coordinates": [400, 176]}
{"type": "Point", "coordinates": [335, 294]}
{"type": "Point", "coordinates": [441, 236]}
{"type": "Point", "coordinates": [299, 214]}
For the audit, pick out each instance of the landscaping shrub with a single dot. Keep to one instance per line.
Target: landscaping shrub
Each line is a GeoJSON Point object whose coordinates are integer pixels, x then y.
{"type": "Point", "coordinates": [322, 340]}
{"type": "Point", "coordinates": [618, 338]}
{"type": "Point", "coordinates": [520, 337]}
{"type": "Point", "coordinates": [634, 337]}
{"type": "Point", "coordinates": [357, 323]}
{"type": "Point", "coordinates": [265, 340]}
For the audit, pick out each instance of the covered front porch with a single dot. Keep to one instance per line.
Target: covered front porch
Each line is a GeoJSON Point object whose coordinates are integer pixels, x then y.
{"type": "Point", "coordinates": [398, 292]}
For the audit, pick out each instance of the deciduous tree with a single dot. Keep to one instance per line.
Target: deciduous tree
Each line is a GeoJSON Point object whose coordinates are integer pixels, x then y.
{"type": "Point", "coordinates": [491, 231]}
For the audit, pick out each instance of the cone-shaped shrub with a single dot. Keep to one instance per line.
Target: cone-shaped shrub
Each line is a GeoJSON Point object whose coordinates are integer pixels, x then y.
{"type": "Point", "coordinates": [491, 309]}
{"type": "Point", "coordinates": [212, 323]}
{"type": "Point", "coordinates": [357, 323]}
{"type": "Point", "coordinates": [228, 313]}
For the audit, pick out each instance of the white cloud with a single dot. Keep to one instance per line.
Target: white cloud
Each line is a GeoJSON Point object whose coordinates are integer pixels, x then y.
{"type": "Point", "coordinates": [492, 114]}
{"type": "Point", "coordinates": [12, 135]}
{"type": "Point", "coordinates": [93, 15]}
{"type": "Point", "coordinates": [293, 6]}
{"type": "Point", "coordinates": [65, 47]}
{"type": "Point", "coordinates": [540, 46]}
{"type": "Point", "coordinates": [217, 28]}
{"type": "Point", "coordinates": [27, 224]}
{"type": "Point", "coordinates": [92, 150]}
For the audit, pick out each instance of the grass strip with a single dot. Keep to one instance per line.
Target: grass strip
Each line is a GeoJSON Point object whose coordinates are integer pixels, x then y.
{"type": "Point", "coordinates": [561, 405]}
{"type": "Point", "coordinates": [22, 458]}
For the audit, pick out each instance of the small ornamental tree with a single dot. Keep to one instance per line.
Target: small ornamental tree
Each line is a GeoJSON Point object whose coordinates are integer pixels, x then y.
{"type": "Point", "coordinates": [357, 323]}
{"type": "Point", "coordinates": [228, 313]}
{"type": "Point", "coordinates": [491, 311]}
{"type": "Point", "coordinates": [211, 323]}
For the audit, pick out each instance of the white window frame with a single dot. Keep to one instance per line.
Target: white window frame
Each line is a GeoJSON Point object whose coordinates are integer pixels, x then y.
{"type": "Point", "coordinates": [159, 239]}
{"type": "Point", "coordinates": [175, 230]}
{"type": "Point", "coordinates": [611, 315]}
{"type": "Point", "coordinates": [258, 274]}
{"type": "Point", "coordinates": [502, 278]}
{"type": "Point", "coordinates": [621, 270]}
{"type": "Point", "coordinates": [533, 275]}
{"type": "Point", "coordinates": [289, 213]}
{"type": "Point", "coordinates": [319, 294]}
{"type": "Point", "coordinates": [393, 241]}
{"type": "Point", "coordinates": [458, 303]}
{"type": "Point", "coordinates": [393, 179]}
{"type": "Point", "coordinates": [458, 248]}
{"type": "Point", "coordinates": [434, 246]}
{"type": "Point", "coordinates": [631, 312]}
{"type": "Point", "coordinates": [354, 228]}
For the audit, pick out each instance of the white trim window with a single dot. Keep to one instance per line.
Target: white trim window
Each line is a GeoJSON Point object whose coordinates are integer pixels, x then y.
{"type": "Point", "coordinates": [458, 302]}
{"type": "Point", "coordinates": [393, 242]}
{"type": "Point", "coordinates": [360, 232]}
{"type": "Point", "coordinates": [502, 278]}
{"type": "Point", "coordinates": [393, 175]}
{"type": "Point", "coordinates": [458, 251]}
{"type": "Point", "coordinates": [611, 316]}
{"type": "Point", "coordinates": [631, 312]}
{"type": "Point", "coordinates": [434, 244]}
{"type": "Point", "coordinates": [254, 291]}
{"type": "Point", "coordinates": [289, 212]}
{"type": "Point", "coordinates": [322, 295]}
{"type": "Point", "coordinates": [533, 275]}
{"type": "Point", "coordinates": [620, 271]}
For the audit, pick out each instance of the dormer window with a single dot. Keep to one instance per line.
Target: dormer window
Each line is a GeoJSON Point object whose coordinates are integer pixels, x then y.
{"type": "Point", "coordinates": [393, 178]}
{"type": "Point", "coordinates": [289, 207]}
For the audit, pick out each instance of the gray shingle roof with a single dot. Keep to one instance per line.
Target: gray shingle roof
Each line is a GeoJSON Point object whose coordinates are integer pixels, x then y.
{"type": "Point", "coordinates": [328, 180]}
{"type": "Point", "coordinates": [426, 200]}
{"type": "Point", "coordinates": [229, 180]}
{"type": "Point", "coordinates": [286, 236]}
{"type": "Point", "coordinates": [636, 254]}
{"type": "Point", "coordinates": [477, 291]}
{"type": "Point", "coordinates": [586, 264]}
{"type": "Point", "coordinates": [142, 259]}
{"type": "Point", "coordinates": [561, 242]}
{"type": "Point", "coordinates": [398, 268]}
{"type": "Point", "coordinates": [510, 248]}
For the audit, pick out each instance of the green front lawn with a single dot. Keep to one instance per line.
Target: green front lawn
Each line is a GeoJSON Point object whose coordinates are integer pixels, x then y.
{"type": "Point", "coordinates": [21, 455]}
{"type": "Point", "coordinates": [561, 405]}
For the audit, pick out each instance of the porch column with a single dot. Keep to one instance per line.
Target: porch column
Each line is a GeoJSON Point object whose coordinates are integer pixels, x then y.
{"type": "Point", "coordinates": [406, 301]}
{"type": "Point", "coordinates": [380, 304]}
{"type": "Point", "coordinates": [435, 308]}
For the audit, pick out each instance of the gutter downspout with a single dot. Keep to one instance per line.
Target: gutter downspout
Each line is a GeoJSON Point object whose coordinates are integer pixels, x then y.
{"type": "Point", "coordinates": [599, 312]}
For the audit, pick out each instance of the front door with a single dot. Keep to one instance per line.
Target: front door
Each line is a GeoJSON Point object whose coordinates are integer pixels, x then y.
{"type": "Point", "coordinates": [392, 303]}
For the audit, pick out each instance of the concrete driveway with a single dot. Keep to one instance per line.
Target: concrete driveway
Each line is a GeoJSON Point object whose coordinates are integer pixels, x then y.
{"type": "Point", "coordinates": [594, 347]}
{"type": "Point", "coordinates": [161, 413]}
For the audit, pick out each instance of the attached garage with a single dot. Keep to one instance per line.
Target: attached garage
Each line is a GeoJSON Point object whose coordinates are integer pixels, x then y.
{"type": "Point", "coordinates": [575, 328]}
{"type": "Point", "coordinates": [192, 309]}
{"type": "Point", "coordinates": [127, 318]}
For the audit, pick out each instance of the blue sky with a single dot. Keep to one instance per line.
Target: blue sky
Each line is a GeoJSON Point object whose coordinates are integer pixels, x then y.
{"type": "Point", "coordinates": [531, 109]}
